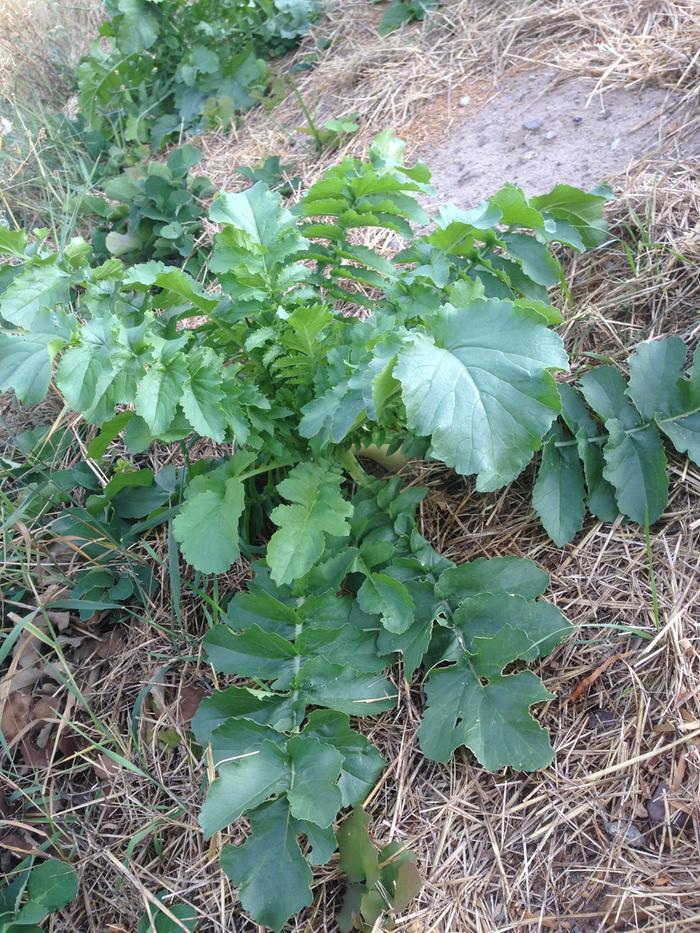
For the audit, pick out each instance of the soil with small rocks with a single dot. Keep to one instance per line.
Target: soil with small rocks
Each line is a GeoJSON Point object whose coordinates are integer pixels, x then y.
{"type": "Point", "coordinates": [541, 127]}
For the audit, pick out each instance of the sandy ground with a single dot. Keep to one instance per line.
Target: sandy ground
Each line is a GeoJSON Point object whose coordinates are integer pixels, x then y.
{"type": "Point", "coordinates": [540, 125]}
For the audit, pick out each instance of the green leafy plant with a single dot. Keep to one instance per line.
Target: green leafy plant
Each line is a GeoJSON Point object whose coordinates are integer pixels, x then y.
{"type": "Point", "coordinates": [169, 64]}
{"type": "Point", "coordinates": [34, 893]}
{"type": "Point", "coordinates": [273, 174]}
{"type": "Point", "coordinates": [606, 453]}
{"type": "Point", "coordinates": [405, 11]}
{"type": "Point", "coordinates": [331, 134]}
{"type": "Point", "coordinates": [284, 750]}
{"type": "Point", "coordinates": [381, 881]}
{"type": "Point", "coordinates": [152, 211]}
{"type": "Point", "coordinates": [455, 363]}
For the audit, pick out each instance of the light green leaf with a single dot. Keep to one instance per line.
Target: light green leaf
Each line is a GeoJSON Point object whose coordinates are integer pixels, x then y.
{"type": "Point", "coordinates": [244, 784]}
{"type": "Point", "coordinates": [588, 434]}
{"type": "Point", "coordinates": [139, 28]}
{"type": "Point", "coordinates": [486, 615]}
{"type": "Point", "coordinates": [240, 703]}
{"type": "Point", "coordinates": [339, 687]}
{"type": "Point", "coordinates": [581, 210]}
{"type": "Point", "coordinates": [52, 884]}
{"type": "Point", "coordinates": [178, 285]}
{"type": "Point", "coordinates": [604, 389]}
{"type": "Point", "coordinates": [252, 653]}
{"type": "Point", "coordinates": [12, 242]}
{"type": "Point", "coordinates": [659, 391]}
{"type": "Point", "coordinates": [318, 509]}
{"type": "Point", "coordinates": [635, 465]}
{"type": "Point", "coordinates": [161, 923]}
{"type": "Point", "coordinates": [37, 286]}
{"type": "Point", "coordinates": [480, 385]}
{"type": "Point", "coordinates": [491, 719]}
{"type": "Point", "coordinates": [656, 368]}
{"type": "Point", "coordinates": [207, 526]}
{"type": "Point", "coordinates": [313, 792]}
{"type": "Point", "coordinates": [493, 575]}
{"type": "Point", "coordinates": [362, 763]}
{"type": "Point", "coordinates": [159, 392]}
{"type": "Point", "coordinates": [536, 260]}
{"type": "Point", "coordinates": [25, 366]}
{"type": "Point", "coordinates": [202, 394]}
{"type": "Point", "coordinates": [382, 595]}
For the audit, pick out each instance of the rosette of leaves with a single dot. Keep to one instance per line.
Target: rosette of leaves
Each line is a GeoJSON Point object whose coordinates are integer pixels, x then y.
{"type": "Point", "coordinates": [152, 211]}
{"type": "Point", "coordinates": [606, 453]}
{"type": "Point", "coordinates": [454, 363]}
{"type": "Point", "coordinates": [316, 650]}
{"type": "Point", "coordinates": [175, 65]}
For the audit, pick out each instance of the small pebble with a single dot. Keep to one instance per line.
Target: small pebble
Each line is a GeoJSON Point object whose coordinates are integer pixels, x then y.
{"type": "Point", "coordinates": [526, 156]}
{"type": "Point", "coordinates": [625, 833]}
{"type": "Point", "coordinates": [533, 124]}
{"type": "Point", "coordinates": [578, 120]}
{"type": "Point", "coordinates": [615, 143]}
{"type": "Point", "coordinates": [465, 101]}
{"type": "Point", "coordinates": [550, 134]}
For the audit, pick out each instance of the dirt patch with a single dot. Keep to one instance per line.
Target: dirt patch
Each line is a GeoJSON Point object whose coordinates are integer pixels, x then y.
{"type": "Point", "coordinates": [540, 128]}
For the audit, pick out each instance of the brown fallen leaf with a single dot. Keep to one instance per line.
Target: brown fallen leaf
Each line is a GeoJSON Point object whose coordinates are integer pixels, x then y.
{"type": "Point", "coordinates": [16, 715]}
{"type": "Point", "coordinates": [664, 811]}
{"type": "Point", "coordinates": [188, 702]}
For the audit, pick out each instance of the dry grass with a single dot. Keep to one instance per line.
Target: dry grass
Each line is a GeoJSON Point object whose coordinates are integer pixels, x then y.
{"type": "Point", "coordinates": [569, 848]}
{"type": "Point", "coordinates": [41, 42]}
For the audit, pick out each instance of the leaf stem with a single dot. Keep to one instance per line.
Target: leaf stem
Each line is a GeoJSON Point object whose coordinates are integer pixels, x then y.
{"type": "Point", "coordinates": [268, 468]}
{"type": "Point", "coordinates": [348, 461]}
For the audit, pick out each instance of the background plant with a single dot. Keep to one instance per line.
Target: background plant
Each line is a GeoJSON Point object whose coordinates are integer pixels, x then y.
{"type": "Point", "coordinates": [152, 211]}
{"type": "Point", "coordinates": [399, 12]}
{"type": "Point", "coordinates": [174, 66]}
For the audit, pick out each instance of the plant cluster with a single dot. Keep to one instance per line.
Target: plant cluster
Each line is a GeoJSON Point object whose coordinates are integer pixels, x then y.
{"type": "Point", "coordinates": [606, 453]}
{"type": "Point", "coordinates": [455, 363]}
{"type": "Point", "coordinates": [175, 65]}
{"type": "Point", "coordinates": [152, 211]}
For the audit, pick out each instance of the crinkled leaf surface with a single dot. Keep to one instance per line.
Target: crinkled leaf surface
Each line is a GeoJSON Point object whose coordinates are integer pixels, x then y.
{"type": "Point", "coordinates": [318, 509]}
{"type": "Point", "coordinates": [480, 384]}
{"type": "Point", "coordinates": [206, 527]}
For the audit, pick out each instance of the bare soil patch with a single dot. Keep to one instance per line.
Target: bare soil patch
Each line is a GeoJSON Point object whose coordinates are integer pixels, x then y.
{"type": "Point", "coordinates": [541, 126]}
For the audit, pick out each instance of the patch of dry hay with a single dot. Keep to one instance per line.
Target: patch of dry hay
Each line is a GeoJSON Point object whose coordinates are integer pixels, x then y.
{"type": "Point", "coordinates": [41, 42]}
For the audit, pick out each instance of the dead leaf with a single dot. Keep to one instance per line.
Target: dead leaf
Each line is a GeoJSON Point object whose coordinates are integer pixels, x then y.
{"type": "Point", "coordinates": [111, 644]}
{"type": "Point", "coordinates": [601, 718]}
{"type": "Point", "coordinates": [188, 702]}
{"type": "Point", "coordinates": [16, 715]}
{"type": "Point", "coordinates": [583, 685]}
{"type": "Point", "coordinates": [663, 811]}
{"type": "Point", "coordinates": [105, 767]}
